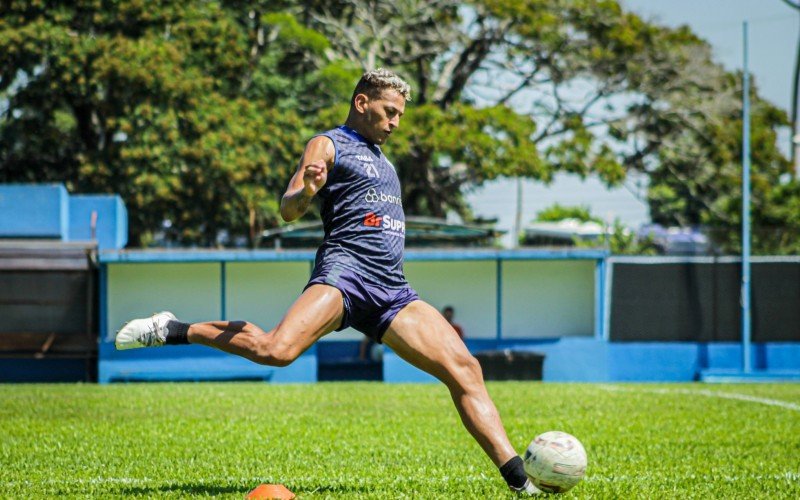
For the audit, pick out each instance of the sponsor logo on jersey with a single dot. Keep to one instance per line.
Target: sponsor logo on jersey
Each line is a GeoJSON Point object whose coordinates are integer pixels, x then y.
{"type": "Point", "coordinates": [373, 196]}
{"type": "Point", "coordinates": [372, 220]}
{"type": "Point", "coordinates": [391, 225]}
{"type": "Point", "coordinates": [395, 226]}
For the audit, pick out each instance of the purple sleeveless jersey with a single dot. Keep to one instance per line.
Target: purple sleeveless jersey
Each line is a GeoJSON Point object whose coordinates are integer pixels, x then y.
{"type": "Point", "coordinates": [362, 214]}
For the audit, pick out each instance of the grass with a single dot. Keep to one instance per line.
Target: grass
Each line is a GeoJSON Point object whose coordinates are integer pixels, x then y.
{"type": "Point", "coordinates": [372, 440]}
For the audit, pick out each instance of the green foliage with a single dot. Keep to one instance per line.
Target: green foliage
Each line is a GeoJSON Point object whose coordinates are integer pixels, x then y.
{"type": "Point", "coordinates": [189, 111]}
{"type": "Point", "coordinates": [559, 212]}
{"type": "Point", "coordinates": [439, 151]}
{"type": "Point", "coordinates": [366, 440]}
{"type": "Point", "coordinates": [617, 238]}
{"type": "Point", "coordinates": [697, 181]}
{"type": "Point", "coordinates": [196, 112]}
{"type": "Point", "coordinates": [620, 240]}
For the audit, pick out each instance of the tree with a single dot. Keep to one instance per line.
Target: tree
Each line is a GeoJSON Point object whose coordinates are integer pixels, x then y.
{"type": "Point", "coordinates": [795, 4]}
{"type": "Point", "coordinates": [195, 112]}
{"type": "Point", "coordinates": [190, 111]}
{"type": "Point", "coordinates": [558, 212]}
{"type": "Point", "coordinates": [616, 237]}
{"type": "Point", "coordinates": [448, 52]}
{"type": "Point", "coordinates": [606, 91]}
{"type": "Point", "coordinates": [689, 142]}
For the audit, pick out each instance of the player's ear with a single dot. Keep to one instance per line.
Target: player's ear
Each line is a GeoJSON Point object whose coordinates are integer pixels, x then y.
{"type": "Point", "coordinates": [360, 102]}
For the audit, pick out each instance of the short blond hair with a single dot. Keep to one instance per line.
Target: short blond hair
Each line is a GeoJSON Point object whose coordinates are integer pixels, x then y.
{"type": "Point", "coordinates": [372, 83]}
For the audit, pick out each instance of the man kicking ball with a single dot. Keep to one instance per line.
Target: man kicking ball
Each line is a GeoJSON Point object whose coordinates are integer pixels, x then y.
{"type": "Point", "coordinates": [358, 278]}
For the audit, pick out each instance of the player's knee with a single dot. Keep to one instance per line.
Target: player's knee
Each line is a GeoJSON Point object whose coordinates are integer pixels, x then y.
{"type": "Point", "coordinates": [284, 357]}
{"type": "Point", "coordinates": [467, 369]}
{"type": "Point", "coordinates": [473, 367]}
{"type": "Point", "coordinates": [274, 353]}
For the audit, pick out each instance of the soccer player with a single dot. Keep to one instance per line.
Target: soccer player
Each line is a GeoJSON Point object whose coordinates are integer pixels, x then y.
{"type": "Point", "coordinates": [358, 278]}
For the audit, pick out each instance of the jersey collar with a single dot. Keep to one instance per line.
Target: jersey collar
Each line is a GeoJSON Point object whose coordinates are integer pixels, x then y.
{"type": "Point", "coordinates": [355, 135]}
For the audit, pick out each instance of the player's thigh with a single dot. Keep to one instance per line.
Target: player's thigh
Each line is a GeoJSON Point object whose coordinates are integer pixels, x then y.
{"type": "Point", "coordinates": [318, 311]}
{"type": "Point", "coordinates": [420, 335]}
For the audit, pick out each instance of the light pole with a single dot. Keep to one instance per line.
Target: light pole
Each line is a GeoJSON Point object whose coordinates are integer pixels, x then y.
{"type": "Point", "coordinates": [795, 4]}
{"type": "Point", "coordinates": [747, 365]}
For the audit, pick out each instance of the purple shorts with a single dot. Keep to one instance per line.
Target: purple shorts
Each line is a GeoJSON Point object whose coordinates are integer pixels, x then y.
{"type": "Point", "coordinates": [367, 308]}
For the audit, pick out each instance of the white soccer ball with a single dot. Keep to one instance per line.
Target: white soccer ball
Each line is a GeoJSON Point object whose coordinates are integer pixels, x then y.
{"type": "Point", "coordinates": [555, 461]}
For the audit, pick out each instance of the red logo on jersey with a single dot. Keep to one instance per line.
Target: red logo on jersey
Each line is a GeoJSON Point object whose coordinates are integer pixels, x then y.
{"type": "Point", "coordinates": [372, 220]}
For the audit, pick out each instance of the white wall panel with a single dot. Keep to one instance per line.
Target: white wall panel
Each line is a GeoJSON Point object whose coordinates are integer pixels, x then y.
{"type": "Point", "coordinates": [190, 290]}
{"type": "Point", "coordinates": [261, 292]}
{"type": "Point", "coordinates": [548, 298]}
{"type": "Point", "coordinates": [469, 286]}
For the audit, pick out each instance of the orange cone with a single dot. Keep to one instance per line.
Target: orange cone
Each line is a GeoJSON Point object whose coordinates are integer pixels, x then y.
{"type": "Point", "coordinates": [270, 492]}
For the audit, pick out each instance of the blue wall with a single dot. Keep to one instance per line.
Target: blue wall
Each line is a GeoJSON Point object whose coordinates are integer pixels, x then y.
{"type": "Point", "coordinates": [34, 211]}
{"type": "Point", "coordinates": [593, 360]}
{"type": "Point", "coordinates": [112, 220]}
{"type": "Point", "coordinates": [195, 363]}
{"type": "Point", "coordinates": [586, 358]}
{"type": "Point", "coordinates": [47, 211]}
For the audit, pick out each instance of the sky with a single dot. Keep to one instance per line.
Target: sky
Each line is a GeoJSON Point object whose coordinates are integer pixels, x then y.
{"type": "Point", "coordinates": [773, 32]}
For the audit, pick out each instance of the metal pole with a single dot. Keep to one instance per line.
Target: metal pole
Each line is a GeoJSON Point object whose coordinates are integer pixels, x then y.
{"type": "Point", "coordinates": [223, 285]}
{"type": "Point", "coordinates": [746, 358]}
{"type": "Point", "coordinates": [795, 122]}
{"type": "Point", "coordinates": [499, 301]}
{"type": "Point", "coordinates": [518, 215]}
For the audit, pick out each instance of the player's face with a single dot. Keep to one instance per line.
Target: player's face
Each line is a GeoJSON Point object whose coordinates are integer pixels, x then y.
{"type": "Point", "coordinates": [382, 115]}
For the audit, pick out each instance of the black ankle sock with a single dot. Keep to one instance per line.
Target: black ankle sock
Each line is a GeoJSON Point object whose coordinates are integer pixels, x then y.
{"type": "Point", "coordinates": [514, 473]}
{"type": "Point", "coordinates": [177, 333]}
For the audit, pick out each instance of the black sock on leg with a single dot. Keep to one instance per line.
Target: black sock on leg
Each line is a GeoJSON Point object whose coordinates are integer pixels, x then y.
{"type": "Point", "coordinates": [177, 333]}
{"type": "Point", "coordinates": [513, 472]}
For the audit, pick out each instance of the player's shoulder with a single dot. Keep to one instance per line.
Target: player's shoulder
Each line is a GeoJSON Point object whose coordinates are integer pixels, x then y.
{"type": "Point", "coordinates": [320, 140]}
{"type": "Point", "coordinates": [333, 134]}
{"type": "Point", "coordinates": [321, 146]}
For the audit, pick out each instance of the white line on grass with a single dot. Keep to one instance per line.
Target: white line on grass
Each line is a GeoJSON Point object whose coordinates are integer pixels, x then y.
{"type": "Point", "coordinates": [661, 478]}
{"type": "Point", "coordinates": [145, 481]}
{"type": "Point", "coordinates": [651, 478]}
{"type": "Point", "coordinates": [711, 394]}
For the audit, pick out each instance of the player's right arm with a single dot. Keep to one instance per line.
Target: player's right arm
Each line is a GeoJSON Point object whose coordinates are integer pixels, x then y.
{"type": "Point", "coordinates": [310, 177]}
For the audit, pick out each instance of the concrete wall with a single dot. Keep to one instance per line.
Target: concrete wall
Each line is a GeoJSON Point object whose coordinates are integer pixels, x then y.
{"type": "Point", "coordinates": [190, 290]}
{"type": "Point", "coordinates": [34, 211]}
{"type": "Point", "coordinates": [546, 299]}
{"type": "Point", "coordinates": [470, 287]}
{"type": "Point", "coordinates": [548, 306]}
{"type": "Point", "coordinates": [257, 291]}
{"type": "Point", "coordinates": [48, 211]}
{"type": "Point", "coordinates": [111, 230]}
{"type": "Point", "coordinates": [261, 292]}
{"type": "Point", "coordinates": [538, 299]}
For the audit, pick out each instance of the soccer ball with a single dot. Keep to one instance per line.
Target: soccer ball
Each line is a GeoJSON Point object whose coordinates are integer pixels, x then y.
{"type": "Point", "coordinates": [555, 461]}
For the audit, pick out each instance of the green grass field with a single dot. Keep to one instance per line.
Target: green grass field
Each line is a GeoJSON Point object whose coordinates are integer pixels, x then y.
{"type": "Point", "coordinates": [372, 440]}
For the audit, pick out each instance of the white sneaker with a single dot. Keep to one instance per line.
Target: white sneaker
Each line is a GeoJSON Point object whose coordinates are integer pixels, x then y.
{"type": "Point", "coordinates": [528, 490]}
{"type": "Point", "coordinates": [145, 332]}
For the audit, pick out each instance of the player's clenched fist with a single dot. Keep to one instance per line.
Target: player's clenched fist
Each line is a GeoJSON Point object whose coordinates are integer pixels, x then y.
{"type": "Point", "coordinates": [314, 177]}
